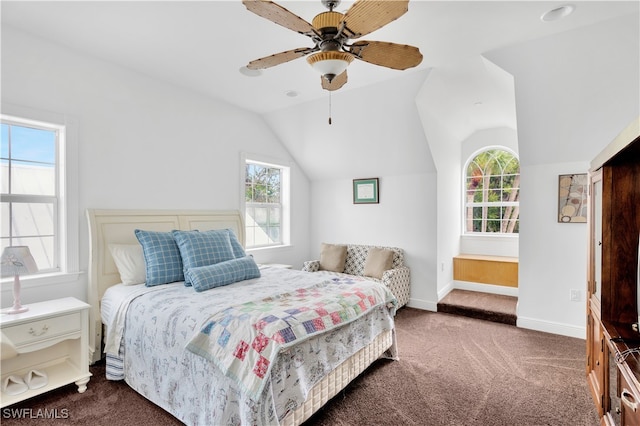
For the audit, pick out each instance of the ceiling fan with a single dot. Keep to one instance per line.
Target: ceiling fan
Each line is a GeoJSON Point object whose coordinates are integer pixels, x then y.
{"type": "Point", "coordinates": [331, 33]}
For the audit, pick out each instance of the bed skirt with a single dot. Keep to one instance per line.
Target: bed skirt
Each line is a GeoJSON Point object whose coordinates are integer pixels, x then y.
{"type": "Point", "coordinates": [339, 378]}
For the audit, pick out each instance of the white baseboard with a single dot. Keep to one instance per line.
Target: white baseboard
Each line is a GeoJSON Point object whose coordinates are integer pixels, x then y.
{"type": "Point", "coordinates": [552, 327]}
{"type": "Point", "coordinates": [445, 290]}
{"type": "Point", "coordinates": [486, 288]}
{"type": "Point", "coordinates": [425, 305]}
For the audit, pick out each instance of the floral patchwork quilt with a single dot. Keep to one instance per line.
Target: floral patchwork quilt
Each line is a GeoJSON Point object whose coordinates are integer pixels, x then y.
{"type": "Point", "coordinates": [244, 340]}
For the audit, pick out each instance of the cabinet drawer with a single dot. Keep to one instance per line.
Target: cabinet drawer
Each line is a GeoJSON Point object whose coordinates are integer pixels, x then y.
{"type": "Point", "coordinates": [44, 329]}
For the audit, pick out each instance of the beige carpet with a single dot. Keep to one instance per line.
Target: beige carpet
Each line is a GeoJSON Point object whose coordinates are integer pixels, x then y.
{"type": "Point", "coordinates": [485, 306]}
{"type": "Point", "coordinates": [452, 371]}
{"type": "Point", "coordinates": [462, 371]}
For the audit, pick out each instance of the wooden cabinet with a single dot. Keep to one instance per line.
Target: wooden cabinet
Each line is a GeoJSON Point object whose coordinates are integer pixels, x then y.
{"type": "Point", "coordinates": [52, 337]}
{"type": "Point", "coordinates": [614, 227]}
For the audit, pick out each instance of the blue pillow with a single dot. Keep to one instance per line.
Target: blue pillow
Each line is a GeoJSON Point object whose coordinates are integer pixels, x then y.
{"type": "Point", "coordinates": [162, 259]}
{"type": "Point", "coordinates": [238, 250]}
{"type": "Point", "coordinates": [223, 273]}
{"type": "Point", "coordinates": [203, 248]}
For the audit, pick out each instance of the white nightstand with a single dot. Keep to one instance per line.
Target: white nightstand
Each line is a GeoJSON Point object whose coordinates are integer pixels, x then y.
{"type": "Point", "coordinates": [51, 337]}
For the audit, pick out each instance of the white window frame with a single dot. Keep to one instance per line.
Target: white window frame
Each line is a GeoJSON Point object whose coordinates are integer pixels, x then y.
{"type": "Point", "coordinates": [466, 233]}
{"type": "Point", "coordinates": [67, 223]}
{"type": "Point", "coordinates": [285, 195]}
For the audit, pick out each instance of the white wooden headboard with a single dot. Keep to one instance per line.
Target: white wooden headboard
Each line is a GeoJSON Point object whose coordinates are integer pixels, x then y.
{"type": "Point", "coordinates": [117, 227]}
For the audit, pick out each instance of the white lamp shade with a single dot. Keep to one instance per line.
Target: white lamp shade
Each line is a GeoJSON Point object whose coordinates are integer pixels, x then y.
{"type": "Point", "coordinates": [17, 260]}
{"type": "Point", "coordinates": [330, 62]}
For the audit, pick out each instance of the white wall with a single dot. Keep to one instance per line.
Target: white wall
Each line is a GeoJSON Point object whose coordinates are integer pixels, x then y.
{"type": "Point", "coordinates": [574, 93]}
{"type": "Point", "coordinates": [444, 145]}
{"type": "Point", "coordinates": [142, 143]}
{"type": "Point", "coordinates": [376, 132]}
{"type": "Point", "coordinates": [553, 256]}
{"type": "Point", "coordinates": [404, 218]}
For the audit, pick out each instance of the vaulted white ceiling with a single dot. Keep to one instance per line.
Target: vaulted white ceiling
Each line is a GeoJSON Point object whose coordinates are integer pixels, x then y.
{"type": "Point", "coordinates": [201, 45]}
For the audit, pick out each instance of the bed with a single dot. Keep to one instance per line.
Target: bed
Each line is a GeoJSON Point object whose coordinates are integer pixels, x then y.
{"type": "Point", "coordinates": [158, 338]}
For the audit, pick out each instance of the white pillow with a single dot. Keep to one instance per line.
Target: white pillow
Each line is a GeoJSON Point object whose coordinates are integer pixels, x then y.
{"type": "Point", "coordinates": [129, 260]}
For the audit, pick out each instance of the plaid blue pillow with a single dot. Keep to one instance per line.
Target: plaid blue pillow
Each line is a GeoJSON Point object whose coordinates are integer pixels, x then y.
{"type": "Point", "coordinates": [203, 248]}
{"type": "Point", "coordinates": [162, 259]}
{"type": "Point", "coordinates": [223, 273]}
{"type": "Point", "coordinates": [238, 250]}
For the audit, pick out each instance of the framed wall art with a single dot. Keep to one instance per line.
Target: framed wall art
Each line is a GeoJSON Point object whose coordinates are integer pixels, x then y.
{"type": "Point", "coordinates": [572, 198]}
{"type": "Point", "coordinates": [365, 191]}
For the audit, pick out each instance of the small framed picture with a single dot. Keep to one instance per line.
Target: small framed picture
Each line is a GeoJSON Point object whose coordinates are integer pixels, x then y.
{"type": "Point", "coordinates": [365, 191]}
{"type": "Point", "coordinates": [572, 198]}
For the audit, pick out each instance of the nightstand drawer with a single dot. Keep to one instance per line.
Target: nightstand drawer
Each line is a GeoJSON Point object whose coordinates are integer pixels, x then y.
{"type": "Point", "coordinates": [44, 329]}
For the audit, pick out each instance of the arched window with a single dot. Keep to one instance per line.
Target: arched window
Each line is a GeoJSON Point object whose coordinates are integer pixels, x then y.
{"type": "Point", "coordinates": [492, 193]}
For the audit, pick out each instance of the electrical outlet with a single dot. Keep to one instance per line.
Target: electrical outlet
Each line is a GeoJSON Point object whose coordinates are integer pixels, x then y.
{"type": "Point", "coordinates": [575, 295]}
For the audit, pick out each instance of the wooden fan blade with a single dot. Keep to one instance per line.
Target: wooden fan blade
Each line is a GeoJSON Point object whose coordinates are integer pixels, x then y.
{"type": "Point", "coordinates": [279, 58]}
{"type": "Point", "coordinates": [337, 82]}
{"type": "Point", "coordinates": [278, 14]}
{"type": "Point", "coordinates": [366, 16]}
{"type": "Point", "coordinates": [390, 55]}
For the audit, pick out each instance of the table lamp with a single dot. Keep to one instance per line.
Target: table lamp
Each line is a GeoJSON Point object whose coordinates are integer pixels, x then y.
{"type": "Point", "coordinates": [16, 261]}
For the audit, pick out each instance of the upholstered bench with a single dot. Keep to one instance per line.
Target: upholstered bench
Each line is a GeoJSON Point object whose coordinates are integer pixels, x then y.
{"type": "Point", "coordinates": [382, 264]}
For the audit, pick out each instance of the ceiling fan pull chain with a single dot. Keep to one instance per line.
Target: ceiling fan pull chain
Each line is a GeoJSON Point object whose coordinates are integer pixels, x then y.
{"type": "Point", "coordinates": [329, 108]}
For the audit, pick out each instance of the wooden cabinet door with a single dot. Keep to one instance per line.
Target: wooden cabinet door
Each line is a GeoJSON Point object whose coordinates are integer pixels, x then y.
{"type": "Point", "coordinates": [596, 363]}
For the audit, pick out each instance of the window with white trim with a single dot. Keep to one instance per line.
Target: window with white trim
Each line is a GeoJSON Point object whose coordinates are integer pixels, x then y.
{"type": "Point", "coordinates": [492, 193]}
{"type": "Point", "coordinates": [32, 211]}
{"type": "Point", "coordinates": [266, 195]}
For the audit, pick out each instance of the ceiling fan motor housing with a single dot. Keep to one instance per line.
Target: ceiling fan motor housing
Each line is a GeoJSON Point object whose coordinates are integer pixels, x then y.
{"type": "Point", "coordinates": [326, 24]}
{"type": "Point", "coordinates": [327, 20]}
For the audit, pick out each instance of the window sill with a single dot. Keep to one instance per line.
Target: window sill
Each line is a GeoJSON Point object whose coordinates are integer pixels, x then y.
{"type": "Point", "coordinates": [489, 235]}
{"type": "Point", "coordinates": [44, 280]}
{"type": "Point", "coordinates": [269, 248]}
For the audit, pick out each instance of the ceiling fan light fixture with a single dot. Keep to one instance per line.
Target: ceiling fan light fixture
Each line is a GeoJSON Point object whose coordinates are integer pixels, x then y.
{"type": "Point", "coordinates": [330, 63]}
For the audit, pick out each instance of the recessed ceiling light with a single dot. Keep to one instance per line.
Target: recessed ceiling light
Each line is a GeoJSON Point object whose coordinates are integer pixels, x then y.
{"type": "Point", "coordinates": [291, 93]}
{"type": "Point", "coordinates": [558, 13]}
{"type": "Point", "coordinates": [250, 73]}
